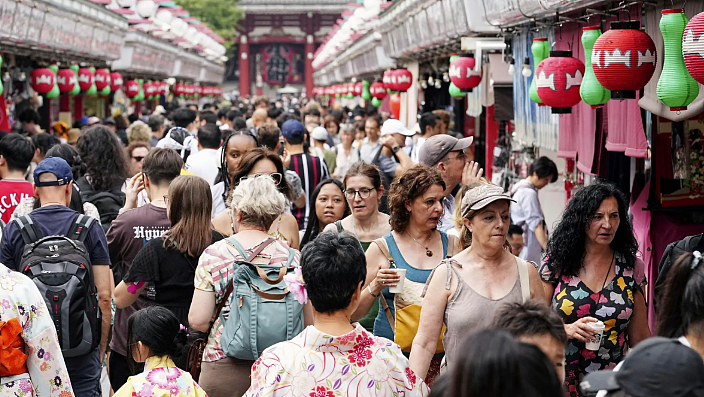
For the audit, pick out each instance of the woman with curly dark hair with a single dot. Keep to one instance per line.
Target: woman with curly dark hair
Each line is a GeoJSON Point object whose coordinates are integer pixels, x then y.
{"type": "Point", "coordinates": [399, 263]}
{"type": "Point", "coordinates": [593, 278]}
{"type": "Point", "coordinates": [465, 292]}
{"type": "Point", "coordinates": [106, 172]}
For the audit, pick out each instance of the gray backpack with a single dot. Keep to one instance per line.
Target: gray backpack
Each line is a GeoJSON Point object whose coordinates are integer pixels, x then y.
{"type": "Point", "coordinates": [262, 311]}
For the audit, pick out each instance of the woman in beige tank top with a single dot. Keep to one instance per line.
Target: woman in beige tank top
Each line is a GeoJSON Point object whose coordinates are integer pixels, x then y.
{"type": "Point", "coordinates": [464, 292]}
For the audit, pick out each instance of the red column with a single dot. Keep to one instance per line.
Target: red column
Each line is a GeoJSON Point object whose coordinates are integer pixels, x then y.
{"type": "Point", "coordinates": [310, 50]}
{"type": "Point", "coordinates": [245, 81]}
{"type": "Point", "coordinates": [492, 134]}
{"type": "Point", "coordinates": [64, 103]}
{"type": "Point", "coordinates": [77, 107]}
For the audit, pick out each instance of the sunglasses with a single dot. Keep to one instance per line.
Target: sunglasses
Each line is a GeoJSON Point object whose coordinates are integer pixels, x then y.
{"type": "Point", "coordinates": [275, 176]}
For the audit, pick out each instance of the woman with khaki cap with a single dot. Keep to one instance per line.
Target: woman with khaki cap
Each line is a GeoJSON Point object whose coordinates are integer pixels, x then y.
{"type": "Point", "coordinates": [464, 292]}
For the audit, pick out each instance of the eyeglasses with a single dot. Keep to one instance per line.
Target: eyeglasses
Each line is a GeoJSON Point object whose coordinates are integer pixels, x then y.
{"type": "Point", "coordinates": [363, 193]}
{"type": "Point", "coordinates": [138, 158]}
{"type": "Point", "coordinates": [275, 176]}
{"type": "Point", "coordinates": [460, 156]}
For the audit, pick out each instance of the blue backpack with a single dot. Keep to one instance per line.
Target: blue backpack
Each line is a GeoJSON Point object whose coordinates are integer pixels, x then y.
{"type": "Point", "coordinates": [262, 311]}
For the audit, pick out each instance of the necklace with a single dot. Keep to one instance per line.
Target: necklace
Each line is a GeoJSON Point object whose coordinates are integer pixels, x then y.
{"type": "Point", "coordinates": [428, 252]}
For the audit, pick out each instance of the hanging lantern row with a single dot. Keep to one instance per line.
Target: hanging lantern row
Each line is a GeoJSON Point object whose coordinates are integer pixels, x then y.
{"type": "Point", "coordinates": [347, 90]}
{"type": "Point", "coordinates": [464, 73]}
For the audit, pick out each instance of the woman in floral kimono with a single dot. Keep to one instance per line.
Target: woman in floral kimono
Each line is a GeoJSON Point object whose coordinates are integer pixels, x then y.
{"type": "Point", "coordinates": [333, 357]}
{"type": "Point", "coordinates": [31, 363]}
{"type": "Point", "coordinates": [153, 336]}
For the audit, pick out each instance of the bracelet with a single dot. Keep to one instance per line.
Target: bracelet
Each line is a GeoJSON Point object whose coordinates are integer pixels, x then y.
{"type": "Point", "coordinates": [369, 288]}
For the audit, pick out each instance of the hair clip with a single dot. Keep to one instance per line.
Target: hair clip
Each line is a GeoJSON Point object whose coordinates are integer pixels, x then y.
{"type": "Point", "coordinates": [697, 258]}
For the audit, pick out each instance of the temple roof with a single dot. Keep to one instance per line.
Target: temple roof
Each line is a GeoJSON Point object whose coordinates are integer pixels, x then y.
{"type": "Point", "coordinates": [293, 6]}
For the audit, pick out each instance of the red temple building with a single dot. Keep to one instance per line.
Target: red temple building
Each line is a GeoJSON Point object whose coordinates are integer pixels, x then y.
{"type": "Point", "coordinates": [277, 40]}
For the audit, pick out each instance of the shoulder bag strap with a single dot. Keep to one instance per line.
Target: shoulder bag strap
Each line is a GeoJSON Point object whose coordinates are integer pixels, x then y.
{"type": "Point", "coordinates": [381, 243]}
{"type": "Point", "coordinates": [28, 229]}
{"type": "Point", "coordinates": [231, 286]}
{"type": "Point", "coordinates": [524, 278]}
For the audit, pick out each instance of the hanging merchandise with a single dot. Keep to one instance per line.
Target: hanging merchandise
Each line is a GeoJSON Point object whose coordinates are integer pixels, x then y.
{"type": "Point", "coordinates": [692, 48]}
{"type": "Point", "coordinates": [115, 81]}
{"type": "Point", "coordinates": [463, 74]}
{"type": "Point", "coordinates": [376, 102]}
{"type": "Point", "coordinates": [540, 50]}
{"type": "Point", "coordinates": [132, 89]}
{"type": "Point", "coordinates": [365, 91]}
{"type": "Point", "coordinates": [591, 91]}
{"type": "Point", "coordinates": [54, 93]}
{"type": "Point", "coordinates": [559, 78]}
{"type": "Point", "coordinates": [676, 87]}
{"type": "Point", "coordinates": [66, 80]}
{"type": "Point", "coordinates": [42, 80]}
{"type": "Point", "coordinates": [377, 90]}
{"type": "Point", "coordinates": [401, 80]}
{"type": "Point", "coordinates": [624, 59]}
{"type": "Point", "coordinates": [93, 90]}
{"type": "Point", "coordinates": [76, 87]}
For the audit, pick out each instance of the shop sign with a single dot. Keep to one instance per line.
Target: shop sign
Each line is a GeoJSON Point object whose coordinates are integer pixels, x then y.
{"type": "Point", "coordinates": [8, 14]}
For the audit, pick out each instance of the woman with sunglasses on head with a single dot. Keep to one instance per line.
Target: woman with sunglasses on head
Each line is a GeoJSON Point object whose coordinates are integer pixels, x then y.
{"type": "Point", "coordinates": [363, 190]}
{"type": "Point", "coordinates": [169, 262]}
{"type": "Point", "coordinates": [330, 206]}
{"type": "Point", "coordinates": [234, 146]}
{"type": "Point", "coordinates": [256, 162]}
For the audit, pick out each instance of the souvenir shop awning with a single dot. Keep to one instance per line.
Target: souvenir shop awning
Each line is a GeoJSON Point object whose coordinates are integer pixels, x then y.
{"type": "Point", "coordinates": [68, 29]}
{"type": "Point", "coordinates": [507, 13]}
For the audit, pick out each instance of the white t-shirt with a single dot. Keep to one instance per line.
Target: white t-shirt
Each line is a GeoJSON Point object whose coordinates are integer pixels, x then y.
{"type": "Point", "coordinates": [204, 164]}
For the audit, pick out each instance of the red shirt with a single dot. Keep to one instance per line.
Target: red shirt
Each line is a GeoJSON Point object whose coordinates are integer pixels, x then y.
{"type": "Point", "coordinates": [11, 193]}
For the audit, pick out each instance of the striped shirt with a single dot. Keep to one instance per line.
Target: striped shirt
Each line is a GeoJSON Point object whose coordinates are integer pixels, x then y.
{"type": "Point", "coordinates": [214, 273]}
{"type": "Point", "coordinates": [311, 170]}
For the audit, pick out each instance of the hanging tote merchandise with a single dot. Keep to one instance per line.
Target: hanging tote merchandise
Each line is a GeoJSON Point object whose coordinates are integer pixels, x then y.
{"type": "Point", "coordinates": [262, 311]}
{"type": "Point", "coordinates": [408, 305]}
{"type": "Point", "coordinates": [60, 267]}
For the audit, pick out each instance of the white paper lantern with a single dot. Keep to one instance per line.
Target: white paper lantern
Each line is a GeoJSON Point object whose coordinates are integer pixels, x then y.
{"type": "Point", "coordinates": [164, 17]}
{"type": "Point", "coordinates": [146, 8]}
{"type": "Point", "coordinates": [191, 33]}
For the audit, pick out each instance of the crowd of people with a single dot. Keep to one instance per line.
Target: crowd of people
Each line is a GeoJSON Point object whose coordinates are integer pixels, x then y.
{"type": "Point", "coordinates": [258, 250]}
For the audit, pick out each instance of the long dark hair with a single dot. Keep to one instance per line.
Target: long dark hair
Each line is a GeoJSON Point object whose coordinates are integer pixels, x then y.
{"type": "Point", "coordinates": [158, 329]}
{"type": "Point", "coordinates": [565, 251]}
{"type": "Point", "coordinates": [682, 298]}
{"type": "Point", "coordinates": [493, 364]}
{"type": "Point", "coordinates": [313, 228]}
{"type": "Point", "coordinates": [104, 156]}
{"type": "Point", "coordinates": [223, 175]}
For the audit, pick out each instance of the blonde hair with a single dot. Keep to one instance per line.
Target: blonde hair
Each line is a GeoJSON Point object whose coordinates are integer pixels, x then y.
{"type": "Point", "coordinates": [139, 132]}
{"type": "Point", "coordinates": [459, 217]}
{"type": "Point", "coordinates": [259, 201]}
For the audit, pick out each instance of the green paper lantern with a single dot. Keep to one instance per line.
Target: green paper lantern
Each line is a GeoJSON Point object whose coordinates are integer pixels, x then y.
{"type": "Point", "coordinates": [455, 92]}
{"type": "Point", "coordinates": [676, 87]}
{"type": "Point", "coordinates": [376, 102]}
{"type": "Point", "coordinates": [140, 96]}
{"type": "Point", "coordinates": [2, 88]}
{"type": "Point", "coordinates": [105, 91]}
{"type": "Point", "coordinates": [93, 90]}
{"type": "Point", "coordinates": [591, 91]}
{"type": "Point", "coordinates": [76, 88]}
{"type": "Point", "coordinates": [366, 95]}
{"type": "Point", "coordinates": [541, 51]}
{"type": "Point", "coordinates": [54, 93]}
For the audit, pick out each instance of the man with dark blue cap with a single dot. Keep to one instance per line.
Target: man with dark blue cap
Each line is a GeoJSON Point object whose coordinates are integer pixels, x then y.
{"type": "Point", "coordinates": [53, 181]}
{"type": "Point", "coordinates": [311, 170]}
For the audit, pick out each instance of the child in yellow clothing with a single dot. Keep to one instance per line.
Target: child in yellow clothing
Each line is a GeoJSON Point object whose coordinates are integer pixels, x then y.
{"type": "Point", "coordinates": [153, 337]}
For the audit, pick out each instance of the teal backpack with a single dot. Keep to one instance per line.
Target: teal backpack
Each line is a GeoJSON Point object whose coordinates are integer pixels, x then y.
{"type": "Point", "coordinates": [262, 311]}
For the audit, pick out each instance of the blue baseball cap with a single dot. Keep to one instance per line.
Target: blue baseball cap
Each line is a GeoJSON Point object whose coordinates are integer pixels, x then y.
{"type": "Point", "coordinates": [56, 166]}
{"type": "Point", "coordinates": [293, 131]}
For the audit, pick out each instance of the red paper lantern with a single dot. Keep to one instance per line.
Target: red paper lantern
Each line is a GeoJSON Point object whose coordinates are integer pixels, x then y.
{"type": "Point", "coordinates": [558, 79]}
{"type": "Point", "coordinates": [102, 79]}
{"type": "Point", "coordinates": [624, 59]}
{"type": "Point", "coordinates": [463, 74]}
{"type": "Point", "coordinates": [66, 80]}
{"type": "Point", "coordinates": [377, 90]}
{"type": "Point", "coordinates": [692, 47]}
{"type": "Point", "coordinates": [115, 81]}
{"type": "Point", "coordinates": [199, 90]}
{"type": "Point", "coordinates": [330, 91]}
{"type": "Point", "coordinates": [164, 88]}
{"type": "Point", "coordinates": [42, 80]}
{"type": "Point", "coordinates": [386, 79]}
{"type": "Point", "coordinates": [358, 89]}
{"type": "Point", "coordinates": [401, 80]}
{"type": "Point", "coordinates": [149, 89]}
{"type": "Point", "coordinates": [178, 89]}
{"type": "Point", "coordinates": [85, 78]}
{"type": "Point", "coordinates": [132, 88]}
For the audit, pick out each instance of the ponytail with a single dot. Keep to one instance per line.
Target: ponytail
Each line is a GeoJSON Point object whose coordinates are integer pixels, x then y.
{"type": "Point", "coordinates": [682, 297]}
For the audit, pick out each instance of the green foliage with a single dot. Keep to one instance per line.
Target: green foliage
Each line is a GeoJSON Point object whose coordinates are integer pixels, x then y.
{"type": "Point", "coordinates": [220, 15]}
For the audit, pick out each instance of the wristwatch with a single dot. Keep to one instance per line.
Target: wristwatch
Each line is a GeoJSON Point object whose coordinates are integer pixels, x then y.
{"type": "Point", "coordinates": [396, 148]}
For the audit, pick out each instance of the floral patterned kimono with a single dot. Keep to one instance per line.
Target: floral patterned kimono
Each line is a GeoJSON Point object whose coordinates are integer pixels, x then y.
{"type": "Point", "coordinates": [31, 363]}
{"type": "Point", "coordinates": [317, 365]}
{"type": "Point", "coordinates": [161, 378]}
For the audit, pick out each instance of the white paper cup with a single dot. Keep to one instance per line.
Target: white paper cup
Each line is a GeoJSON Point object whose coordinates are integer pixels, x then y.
{"type": "Point", "coordinates": [399, 287]}
{"type": "Point", "coordinates": [598, 328]}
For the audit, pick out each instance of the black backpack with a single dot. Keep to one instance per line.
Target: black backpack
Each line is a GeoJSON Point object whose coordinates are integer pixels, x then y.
{"type": "Point", "coordinates": [108, 203]}
{"type": "Point", "coordinates": [60, 267]}
{"type": "Point", "coordinates": [672, 252]}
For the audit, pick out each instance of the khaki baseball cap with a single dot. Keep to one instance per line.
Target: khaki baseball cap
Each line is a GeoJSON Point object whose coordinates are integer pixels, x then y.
{"type": "Point", "coordinates": [437, 147]}
{"type": "Point", "coordinates": [479, 197]}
